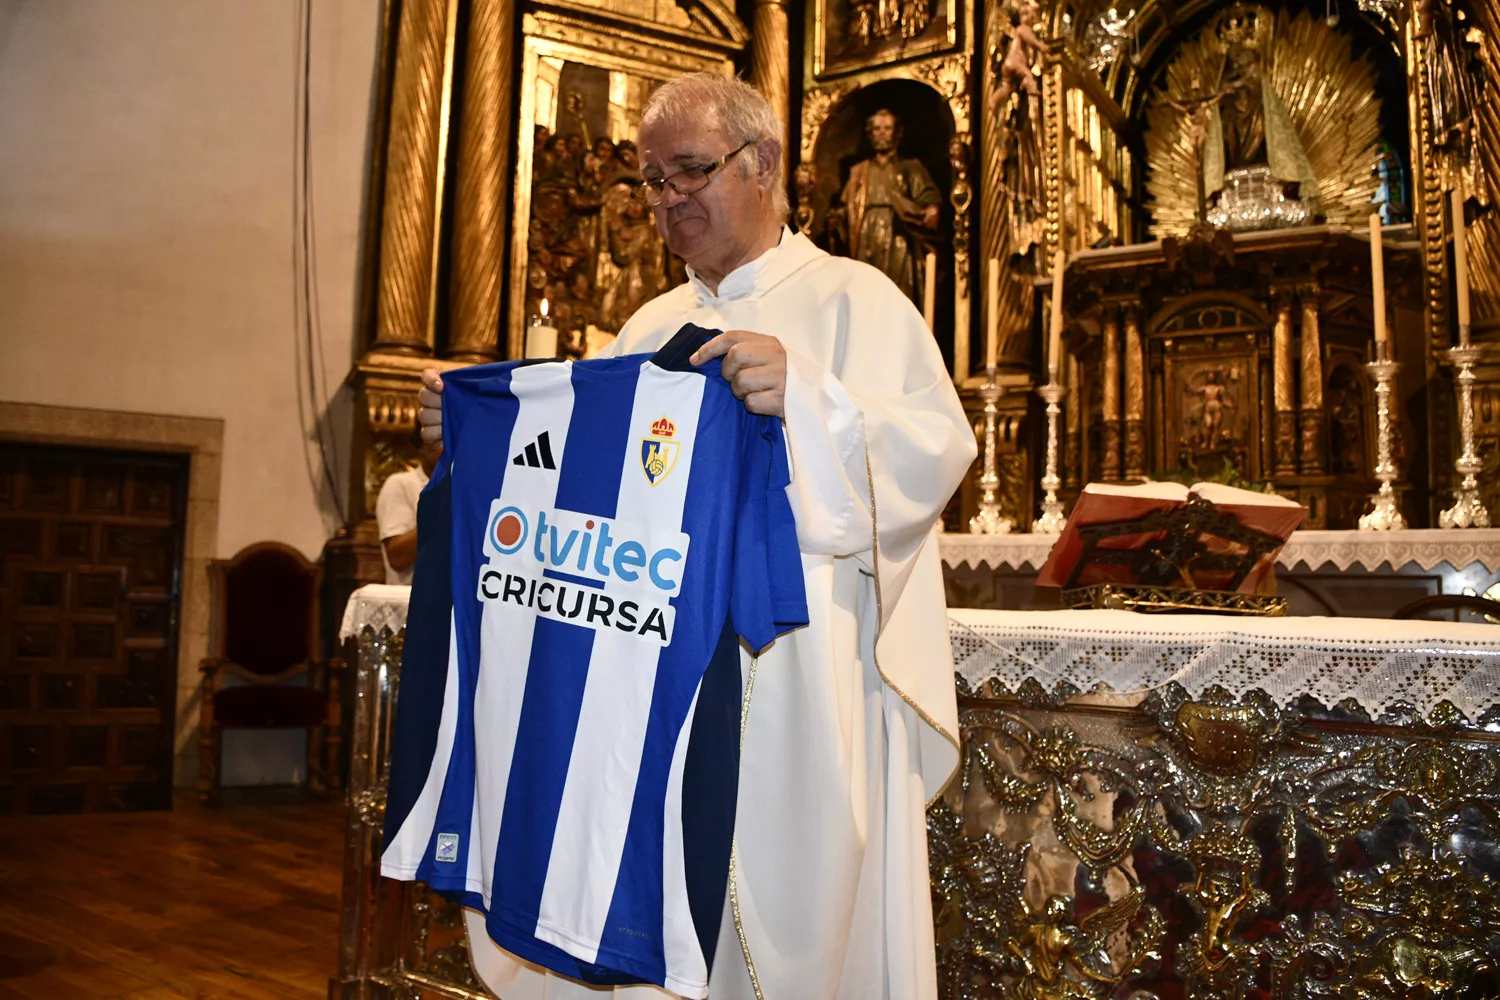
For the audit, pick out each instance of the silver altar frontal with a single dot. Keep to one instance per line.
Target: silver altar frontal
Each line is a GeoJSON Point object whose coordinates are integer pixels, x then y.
{"type": "Point", "coordinates": [1147, 806]}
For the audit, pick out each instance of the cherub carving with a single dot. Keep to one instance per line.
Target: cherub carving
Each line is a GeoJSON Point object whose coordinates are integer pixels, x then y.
{"type": "Point", "coordinates": [1051, 943]}
{"type": "Point", "coordinates": [1015, 69]}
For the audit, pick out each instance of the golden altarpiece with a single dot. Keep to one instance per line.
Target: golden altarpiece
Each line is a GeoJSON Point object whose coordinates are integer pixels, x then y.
{"type": "Point", "coordinates": [1207, 170]}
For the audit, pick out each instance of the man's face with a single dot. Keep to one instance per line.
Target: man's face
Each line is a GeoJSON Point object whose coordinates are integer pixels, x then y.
{"type": "Point", "coordinates": [604, 149]}
{"type": "Point", "coordinates": [575, 144]}
{"type": "Point", "coordinates": [726, 212]}
{"type": "Point", "coordinates": [883, 132]}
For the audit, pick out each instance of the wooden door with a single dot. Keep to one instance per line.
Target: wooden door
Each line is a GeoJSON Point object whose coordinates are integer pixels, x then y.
{"type": "Point", "coordinates": [90, 573]}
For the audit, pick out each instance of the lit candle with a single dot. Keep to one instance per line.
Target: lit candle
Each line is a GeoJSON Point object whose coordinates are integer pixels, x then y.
{"type": "Point", "coordinates": [1377, 279]}
{"type": "Point", "coordinates": [1461, 264]}
{"type": "Point", "coordinates": [1054, 342]}
{"type": "Point", "coordinates": [929, 293]}
{"type": "Point", "coordinates": [541, 339]}
{"type": "Point", "coordinates": [992, 316]}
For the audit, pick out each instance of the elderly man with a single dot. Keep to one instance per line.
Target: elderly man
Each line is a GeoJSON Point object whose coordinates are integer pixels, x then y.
{"type": "Point", "coordinates": [849, 724]}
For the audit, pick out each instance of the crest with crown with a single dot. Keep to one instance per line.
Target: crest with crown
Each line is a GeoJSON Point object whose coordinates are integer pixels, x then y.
{"type": "Point", "coordinates": [663, 428]}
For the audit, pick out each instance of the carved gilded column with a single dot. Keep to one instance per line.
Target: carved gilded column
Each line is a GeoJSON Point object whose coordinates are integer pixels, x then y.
{"type": "Point", "coordinates": [770, 62]}
{"type": "Point", "coordinates": [1110, 396]}
{"type": "Point", "coordinates": [1285, 428]}
{"type": "Point", "coordinates": [1135, 396]}
{"type": "Point", "coordinates": [1073, 421]}
{"type": "Point", "coordinates": [1312, 418]}
{"type": "Point", "coordinates": [484, 142]}
{"type": "Point", "coordinates": [992, 197]}
{"type": "Point", "coordinates": [419, 97]}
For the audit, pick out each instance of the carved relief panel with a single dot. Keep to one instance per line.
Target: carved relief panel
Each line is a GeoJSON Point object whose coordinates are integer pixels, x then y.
{"type": "Point", "coordinates": [584, 242]}
{"type": "Point", "coordinates": [1207, 361]}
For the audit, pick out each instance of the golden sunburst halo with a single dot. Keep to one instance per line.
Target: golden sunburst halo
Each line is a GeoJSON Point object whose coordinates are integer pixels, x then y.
{"type": "Point", "coordinates": [1330, 97]}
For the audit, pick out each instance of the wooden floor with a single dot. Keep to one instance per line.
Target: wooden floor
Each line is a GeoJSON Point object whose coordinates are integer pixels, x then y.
{"type": "Point", "coordinates": [239, 903]}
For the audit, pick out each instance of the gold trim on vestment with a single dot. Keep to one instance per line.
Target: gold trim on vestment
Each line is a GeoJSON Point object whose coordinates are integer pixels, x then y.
{"type": "Point", "coordinates": [734, 888]}
{"type": "Point", "coordinates": [874, 649]}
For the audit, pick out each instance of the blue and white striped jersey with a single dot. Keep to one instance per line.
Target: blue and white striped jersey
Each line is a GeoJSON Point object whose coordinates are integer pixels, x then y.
{"type": "Point", "coordinates": [595, 542]}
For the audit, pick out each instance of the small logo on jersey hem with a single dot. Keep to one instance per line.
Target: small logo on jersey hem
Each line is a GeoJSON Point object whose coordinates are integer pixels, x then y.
{"type": "Point", "coordinates": [659, 452]}
{"type": "Point", "coordinates": [447, 847]}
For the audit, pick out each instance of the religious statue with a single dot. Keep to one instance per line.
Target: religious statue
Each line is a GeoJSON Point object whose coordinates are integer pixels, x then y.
{"type": "Point", "coordinates": [805, 180]}
{"type": "Point", "coordinates": [1015, 69]}
{"type": "Point", "coordinates": [1212, 409]}
{"type": "Point", "coordinates": [1208, 409]}
{"type": "Point", "coordinates": [890, 207]}
{"type": "Point", "coordinates": [1197, 107]}
{"type": "Point", "coordinates": [1247, 122]}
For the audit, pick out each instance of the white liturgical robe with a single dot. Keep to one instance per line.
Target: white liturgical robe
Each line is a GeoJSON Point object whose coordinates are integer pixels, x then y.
{"type": "Point", "coordinates": [851, 723]}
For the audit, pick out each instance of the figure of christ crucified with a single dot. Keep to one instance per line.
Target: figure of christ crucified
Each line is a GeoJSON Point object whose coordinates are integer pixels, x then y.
{"type": "Point", "coordinates": [1197, 107]}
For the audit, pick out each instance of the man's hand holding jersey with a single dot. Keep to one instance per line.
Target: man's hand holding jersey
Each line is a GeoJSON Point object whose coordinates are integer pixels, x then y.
{"type": "Point", "coordinates": [753, 363]}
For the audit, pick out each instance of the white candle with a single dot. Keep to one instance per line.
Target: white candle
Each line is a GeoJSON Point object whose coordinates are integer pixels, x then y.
{"type": "Point", "coordinates": [1461, 263]}
{"type": "Point", "coordinates": [1377, 279]}
{"type": "Point", "coordinates": [992, 316]}
{"type": "Point", "coordinates": [929, 293]}
{"type": "Point", "coordinates": [1054, 342]}
{"type": "Point", "coordinates": [541, 340]}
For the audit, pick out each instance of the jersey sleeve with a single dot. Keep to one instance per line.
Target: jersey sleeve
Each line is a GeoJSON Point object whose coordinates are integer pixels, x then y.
{"type": "Point", "coordinates": [768, 597]}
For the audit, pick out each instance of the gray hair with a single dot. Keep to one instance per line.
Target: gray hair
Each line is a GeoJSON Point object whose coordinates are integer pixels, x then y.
{"type": "Point", "coordinates": [738, 110]}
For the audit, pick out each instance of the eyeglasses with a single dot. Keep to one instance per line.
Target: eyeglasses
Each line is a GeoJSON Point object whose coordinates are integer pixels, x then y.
{"type": "Point", "coordinates": [689, 180]}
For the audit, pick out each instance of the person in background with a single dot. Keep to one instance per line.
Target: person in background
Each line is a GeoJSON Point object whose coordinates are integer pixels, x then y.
{"type": "Point", "coordinates": [396, 511]}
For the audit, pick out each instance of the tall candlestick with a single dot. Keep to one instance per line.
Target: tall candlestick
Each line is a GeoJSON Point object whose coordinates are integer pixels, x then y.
{"type": "Point", "coordinates": [929, 292]}
{"type": "Point", "coordinates": [1461, 264]}
{"type": "Point", "coordinates": [989, 520]}
{"type": "Point", "coordinates": [1054, 342]}
{"type": "Point", "coordinates": [992, 316]}
{"type": "Point", "coordinates": [1052, 521]}
{"type": "Point", "coordinates": [1377, 278]}
{"type": "Point", "coordinates": [1468, 510]}
{"type": "Point", "coordinates": [1386, 513]}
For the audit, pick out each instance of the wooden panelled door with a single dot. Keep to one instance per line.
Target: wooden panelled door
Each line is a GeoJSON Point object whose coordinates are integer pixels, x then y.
{"type": "Point", "coordinates": [90, 573]}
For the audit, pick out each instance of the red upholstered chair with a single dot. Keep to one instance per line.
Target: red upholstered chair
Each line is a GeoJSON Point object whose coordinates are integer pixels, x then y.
{"type": "Point", "coordinates": [264, 632]}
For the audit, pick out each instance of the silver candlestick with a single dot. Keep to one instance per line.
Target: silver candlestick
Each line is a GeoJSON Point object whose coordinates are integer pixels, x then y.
{"type": "Point", "coordinates": [1051, 522]}
{"type": "Point", "coordinates": [989, 520]}
{"type": "Point", "coordinates": [1385, 516]}
{"type": "Point", "coordinates": [1467, 510]}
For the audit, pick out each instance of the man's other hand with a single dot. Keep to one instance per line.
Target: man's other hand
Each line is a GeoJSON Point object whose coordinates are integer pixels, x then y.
{"type": "Point", "coordinates": [755, 366]}
{"type": "Point", "coordinates": [430, 397]}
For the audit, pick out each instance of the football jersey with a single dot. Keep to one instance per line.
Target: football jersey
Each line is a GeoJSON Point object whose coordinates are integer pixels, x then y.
{"type": "Point", "coordinates": [594, 544]}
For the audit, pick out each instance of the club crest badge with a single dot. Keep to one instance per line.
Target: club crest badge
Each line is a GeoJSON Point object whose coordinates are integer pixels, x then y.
{"type": "Point", "coordinates": [659, 451]}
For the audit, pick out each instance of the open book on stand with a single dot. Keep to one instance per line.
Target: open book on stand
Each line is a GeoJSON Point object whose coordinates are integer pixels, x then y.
{"type": "Point", "coordinates": [1170, 537]}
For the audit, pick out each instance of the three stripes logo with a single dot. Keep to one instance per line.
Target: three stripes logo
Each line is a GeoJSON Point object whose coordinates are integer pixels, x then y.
{"type": "Point", "coordinates": [537, 454]}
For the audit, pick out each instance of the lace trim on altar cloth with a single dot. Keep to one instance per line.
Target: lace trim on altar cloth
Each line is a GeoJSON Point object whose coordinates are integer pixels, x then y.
{"type": "Point", "coordinates": [1383, 667]}
{"type": "Point", "coordinates": [378, 605]}
{"type": "Point", "coordinates": [1425, 547]}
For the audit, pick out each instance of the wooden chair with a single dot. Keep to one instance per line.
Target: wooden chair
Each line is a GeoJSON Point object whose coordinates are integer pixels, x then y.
{"type": "Point", "coordinates": [264, 632]}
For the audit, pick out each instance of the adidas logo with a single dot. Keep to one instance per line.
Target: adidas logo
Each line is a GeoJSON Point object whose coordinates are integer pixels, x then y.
{"type": "Point", "coordinates": [537, 454]}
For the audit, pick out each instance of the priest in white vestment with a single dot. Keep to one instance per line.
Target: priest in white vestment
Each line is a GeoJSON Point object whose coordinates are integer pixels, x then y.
{"type": "Point", "coordinates": [850, 725]}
